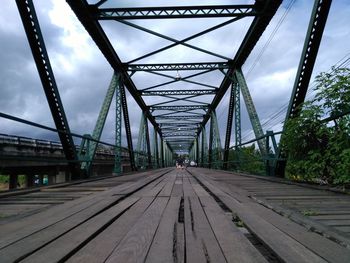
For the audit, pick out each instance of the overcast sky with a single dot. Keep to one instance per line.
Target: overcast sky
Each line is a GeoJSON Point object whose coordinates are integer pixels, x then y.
{"type": "Point", "coordinates": [82, 73]}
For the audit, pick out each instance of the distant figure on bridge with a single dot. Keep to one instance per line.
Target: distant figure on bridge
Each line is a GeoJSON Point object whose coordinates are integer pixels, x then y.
{"type": "Point", "coordinates": [180, 163]}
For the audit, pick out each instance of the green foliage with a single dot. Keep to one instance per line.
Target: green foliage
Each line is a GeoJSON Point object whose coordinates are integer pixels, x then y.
{"type": "Point", "coordinates": [246, 159]}
{"type": "Point", "coordinates": [318, 147]}
{"type": "Point", "coordinates": [4, 179]}
{"type": "Point", "coordinates": [309, 213]}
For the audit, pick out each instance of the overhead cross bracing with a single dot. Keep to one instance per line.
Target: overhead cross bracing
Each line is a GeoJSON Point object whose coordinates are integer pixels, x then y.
{"type": "Point", "coordinates": [181, 81]}
{"type": "Point", "coordinates": [176, 12]}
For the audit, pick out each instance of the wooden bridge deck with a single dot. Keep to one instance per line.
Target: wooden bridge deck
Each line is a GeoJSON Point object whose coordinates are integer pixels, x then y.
{"type": "Point", "coordinates": [170, 215]}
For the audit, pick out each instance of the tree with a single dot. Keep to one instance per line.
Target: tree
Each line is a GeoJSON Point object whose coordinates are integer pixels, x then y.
{"type": "Point", "coordinates": [246, 159]}
{"type": "Point", "coordinates": [318, 140]}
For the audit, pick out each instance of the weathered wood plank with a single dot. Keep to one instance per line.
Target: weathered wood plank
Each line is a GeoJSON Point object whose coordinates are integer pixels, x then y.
{"type": "Point", "coordinates": [99, 248]}
{"type": "Point", "coordinates": [65, 245]}
{"type": "Point", "coordinates": [166, 244]}
{"type": "Point", "coordinates": [170, 180]}
{"type": "Point", "coordinates": [33, 242]}
{"type": "Point", "coordinates": [233, 243]}
{"type": "Point", "coordinates": [327, 249]}
{"type": "Point", "coordinates": [201, 242]}
{"type": "Point", "coordinates": [135, 245]}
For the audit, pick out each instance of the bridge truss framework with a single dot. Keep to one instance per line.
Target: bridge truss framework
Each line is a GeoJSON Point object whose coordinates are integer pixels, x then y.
{"type": "Point", "coordinates": [180, 119]}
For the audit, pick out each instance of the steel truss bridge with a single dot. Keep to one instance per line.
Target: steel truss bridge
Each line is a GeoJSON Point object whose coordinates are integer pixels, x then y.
{"type": "Point", "coordinates": [178, 117]}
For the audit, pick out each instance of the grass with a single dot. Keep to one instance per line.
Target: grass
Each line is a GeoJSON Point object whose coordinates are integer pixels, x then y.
{"type": "Point", "coordinates": [309, 213]}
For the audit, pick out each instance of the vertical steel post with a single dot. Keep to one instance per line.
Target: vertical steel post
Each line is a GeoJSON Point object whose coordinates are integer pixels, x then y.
{"type": "Point", "coordinates": [229, 125]}
{"type": "Point", "coordinates": [140, 149]}
{"type": "Point", "coordinates": [204, 148]}
{"type": "Point", "coordinates": [197, 150]}
{"type": "Point", "coordinates": [238, 132]}
{"type": "Point", "coordinates": [148, 144]}
{"type": "Point", "coordinates": [127, 127]}
{"type": "Point", "coordinates": [118, 131]}
{"type": "Point", "coordinates": [216, 148]}
{"type": "Point", "coordinates": [155, 148]}
{"type": "Point", "coordinates": [211, 136]}
{"type": "Point", "coordinates": [162, 152]}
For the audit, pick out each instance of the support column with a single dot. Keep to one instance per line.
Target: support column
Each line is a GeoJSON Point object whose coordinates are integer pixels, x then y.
{"type": "Point", "coordinates": [211, 135]}
{"type": "Point", "coordinates": [13, 181]}
{"type": "Point", "coordinates": [88, 148]}
{"type": "Point", "coordinates": [205, 150]}
{"type": "Point", "coordinates": [118, 132]}
{"type": "Point", "coordinates": [143, 143]}
{"type": "Point", "coordinates": [155, 147]}
{"type": "Point", "coordinates": [229, 125]}
{"type": "Point", "coordinates": [148, 144]}
{"type": "Point", "coordinates": [215, 154]}
{"type": "Point", "coordinates": [29, 180]}
{"type": "Point", "coordinates": [127, 127]}
{"type": "Point", "coordinates": [162, 152]}
{"type": "Point", "coordinates": [197, 150]}
{"type": "Point", "coordinates": [253, 116]}
{"type": "Point", "coordinates": [238, 132]}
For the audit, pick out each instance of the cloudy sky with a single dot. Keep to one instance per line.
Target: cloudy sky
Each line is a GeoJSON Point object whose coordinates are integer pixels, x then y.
{"type": "Point", "coordinates": [82, 74]}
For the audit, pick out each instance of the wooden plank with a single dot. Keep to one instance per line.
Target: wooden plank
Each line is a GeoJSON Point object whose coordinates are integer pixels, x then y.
{"type": "Point", "coordinates": [178, 186]}
{"type": "Point", "coordinates": [336, 222]}
{"type": "Point", "coordinates": [62, 247]}
{"type": "Point", "coordinates": [331, 217]}
{"type": "Point", "coordinates": [327, 249]}
{"type": "Point", "coordinates": [23, 227]}
{"type": "Point", "coordinates": [135, 245]}
{"type": "Point", "coordinates": [99, 248]}
{"type": "Point", "coordinates": [201, 242]}
{"type": "Point", "coordinates": [345, 229]}
{"type": "Point", "coordinates": [151, 189]}
{"type": "Point", "coordinates": [166, 246]}
{"type": "Point", "coordinates": [200, 191]}
{"type": "Point", "coordinates": [187, 187]}
{"type": "Point", "coordinates": [170, 180]}
{"type": "Point", "coordinates": [233, 243]}
{"type": "Point", "coordinates": [32, 242]}
{"type": "Point", "coordinates": [193, 244]}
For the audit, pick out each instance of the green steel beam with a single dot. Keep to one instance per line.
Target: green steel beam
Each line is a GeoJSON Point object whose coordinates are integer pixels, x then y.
{"type": "Point", "coordinates": [179, 92]}
{"type": "Point", "coordinates": [229, 124]}
{"type": "Point", "coordinates": [179, 117]}
{"type": "Point", "coordinates": [174, 12]}
{"type": "Point", "coordinates": [87, 152]}
{"type": "Point", "coordinates": [155, 148]}
{"type": "Point", "coordinates": [177, 134]}
{"type": "Point", "coordinates": [118, 132]}
{"type": "Point", "coordinates": [180, 107]}
{"type": "Point", "coordinates": [162, 160]}
{"type": "Point", "coordinates": [178, 66]}
{"type": "Point", "coordinates": [253, 116]}
{"type": "Point", "coordinates": [205, 151]}
{"type": "Point", "coordinates": [215, 149]}
{"type": "Point", "coordinates": [143, 144]}
{"type": "Point", "coordinates": [127, 127]}
{"type": "Point", "coordinates": [37, 45]}
{"type": "Point", "coordinates": [256, 29]}
{"type": "Point", "coordinates": [312, 43]}
{"type": "Point", "coordinates": [238, 131]}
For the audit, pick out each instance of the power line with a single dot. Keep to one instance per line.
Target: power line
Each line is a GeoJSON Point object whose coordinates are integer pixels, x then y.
{"type": "Point", "coordinates": [272, 35]}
